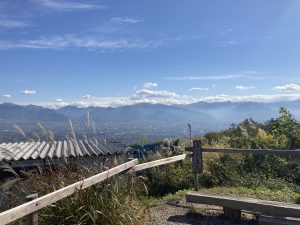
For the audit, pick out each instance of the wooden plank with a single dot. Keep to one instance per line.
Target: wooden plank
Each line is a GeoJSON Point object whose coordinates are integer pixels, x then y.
{"type": "Point", "coordinates": [249, 151]}
{"type": "Point", "coordinates": [272, 220]}
{"type": "Point", "coordinates": [254, 151]}
{"type": "Point", "coordinates": [34, 205]}
{"type": "Point", "coordinates": [256, 205]}
{"type": "Point", "coordinates": [33, 218]}
{"type": "Point", "coordinates": [160, 162]}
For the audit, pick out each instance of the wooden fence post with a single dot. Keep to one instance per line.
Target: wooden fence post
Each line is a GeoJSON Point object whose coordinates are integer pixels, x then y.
{"type": "Point", "coordinates": [197, 162]}
{"type": "Point", "coordinates": [33, 218]}
{"type": "Point", "coordinates": [130, 179]}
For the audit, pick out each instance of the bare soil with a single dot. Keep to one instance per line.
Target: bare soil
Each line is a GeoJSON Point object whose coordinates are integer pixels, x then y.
{"type": "Point", "coordinates": [186, 213]}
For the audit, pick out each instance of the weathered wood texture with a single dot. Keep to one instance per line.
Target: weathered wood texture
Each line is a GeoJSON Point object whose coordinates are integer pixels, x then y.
{"type": "Point", "coordinates": [34, 205]}
{"type": "Point", "coordinates": [197, 162]}
{"type": "Point", "coordinates": [233, 214]}
{"type": "Point", "coordinates": [256, 205]}
{"type": "Point", "coordinates": [33, 218]}
{"type": "Point", "coordinates": [295, 153]}
{"type": "Point", "coordinates": [271, 220]}
{"type": "Point", "coordinates": [161, 162]}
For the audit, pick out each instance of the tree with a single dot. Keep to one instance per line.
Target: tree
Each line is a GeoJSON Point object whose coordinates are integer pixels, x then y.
{"type": "Point", "coordinates": [286, 125]}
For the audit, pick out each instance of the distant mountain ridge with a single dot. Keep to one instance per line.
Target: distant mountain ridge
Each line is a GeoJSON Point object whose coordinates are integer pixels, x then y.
{"type": "Point", "coordinates": [204, 113]}
{"type": "Point", "coordinates": [29, 114]}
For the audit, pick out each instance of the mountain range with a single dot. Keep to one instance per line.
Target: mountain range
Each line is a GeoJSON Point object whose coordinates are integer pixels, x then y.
{"type": "Point", "coordinates": [146, 119]}
{"type": "Point", "coordinates": [200, 112]}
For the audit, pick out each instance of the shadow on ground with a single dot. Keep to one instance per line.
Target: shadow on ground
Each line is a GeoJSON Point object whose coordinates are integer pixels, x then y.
{"type": "Point", "coordinates": [198, 218]}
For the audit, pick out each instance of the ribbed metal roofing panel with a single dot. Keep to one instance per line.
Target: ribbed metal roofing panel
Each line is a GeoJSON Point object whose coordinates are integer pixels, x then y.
{"type": "Point", "coordinates": [38, 151]}
{"type": "Point", "coordinates": [71, 149]}
{"type": "Point", "coordinates": [83, 149]}
{"type": "Point", "coordinates": [90, 148]}
{"type": "Point", "coordinates": [60, 149]}
{"type": "Point", "coordinates": [101, 151]}
{"type": "Point", "coordinates": [51, 150]}
{"type": "Point", "coordinates": [18, 150]}
{"type": "Point", "coordinates": [23, 149]}
{"type": "Point", "coordinates": [28, 153]}
{"type": "Point", "coordinates": [44, 151]}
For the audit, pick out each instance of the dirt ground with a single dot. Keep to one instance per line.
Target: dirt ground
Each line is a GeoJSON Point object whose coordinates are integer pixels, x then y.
{"type": "Point", "coordinates": [187, 213]}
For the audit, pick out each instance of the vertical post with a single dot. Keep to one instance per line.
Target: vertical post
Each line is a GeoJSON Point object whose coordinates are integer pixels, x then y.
{"type": "Point", "coordinates": [130, 179]}
{"type": "Point", "coordinates": [33, 218]}
{"type": "Point", "coordinates": [197, 162]}
{"type": "Point", "coordinates": [298, 161]}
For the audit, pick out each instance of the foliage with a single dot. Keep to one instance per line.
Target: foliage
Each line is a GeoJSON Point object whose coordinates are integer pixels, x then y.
{"type": "Point", "coordinates": [100, 204]}
{"type": "Point", "coordinates": [110, 202]}
{"type": "Point", "coordinates": [260, 173]}
{"type": "Point", "coordinates": [169, 178]}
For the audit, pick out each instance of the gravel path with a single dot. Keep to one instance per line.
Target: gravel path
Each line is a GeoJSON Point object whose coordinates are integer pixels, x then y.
{"type": "Point", "coordinates": [181, 213]}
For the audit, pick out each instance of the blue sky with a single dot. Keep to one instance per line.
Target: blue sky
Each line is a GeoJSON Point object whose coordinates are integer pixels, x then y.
{"type": "Point", "coordinates": [108, 53]}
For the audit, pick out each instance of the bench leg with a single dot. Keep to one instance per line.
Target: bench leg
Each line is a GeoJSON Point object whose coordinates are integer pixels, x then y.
{"type": "Point", "coordinates": [233, 214]}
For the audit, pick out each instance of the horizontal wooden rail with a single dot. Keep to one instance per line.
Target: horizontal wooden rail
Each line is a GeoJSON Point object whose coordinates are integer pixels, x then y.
{"type": "Point", "coordinates": [295, 153]}
{"type": "Point", "coordinates": [39, 203]}
{"type": "Point", "coordinates": [255, 151]}
{"type": "Point", "coordinates": [160, 162]}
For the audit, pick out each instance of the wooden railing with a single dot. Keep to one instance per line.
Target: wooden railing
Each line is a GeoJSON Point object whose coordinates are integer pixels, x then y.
{"type": "Point", "coordinates": [30, 208]}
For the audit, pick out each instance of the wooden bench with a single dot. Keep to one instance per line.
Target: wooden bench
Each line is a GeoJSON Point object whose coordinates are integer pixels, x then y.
{"type": "Point", "coordinates": [271, 220]}
{"type": "Point", "coordinates": [233, 205]}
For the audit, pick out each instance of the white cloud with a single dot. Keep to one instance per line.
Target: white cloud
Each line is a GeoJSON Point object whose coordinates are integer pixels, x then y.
{"type": "Point", "coordinates": [150, 85]}
{"type": "Point", "coordinates": [213, 77]}
{"type": "Point", "coordinates": [243, 88]}
{"type": "Point", "coordinates": [87, 97]}
{"type": "Point", "coordinates": [29, 92]}
{"type": "Point", "coordinates": [59, 100]}
{"type": "Point", "coordinates": [145, 94]}
{"type": "Point", "coordinates": [199, 89]}
{"type": "Point", "coordinates": [63, 5]}
{"type": "Point", "coordinates": [125, 20]}
{"type": "Point", "coordinates": [288, 87]}
{"type": "Point", "coordinates": [11, 23]}
{"type": "Point", "coordinates": [167, 97]}
{"type": "Point", "coordinates": [92, 42]}
{"type": "Point", "coordinates": [6, 96]}
{"type": "Point", "coordinates": [253, 98]}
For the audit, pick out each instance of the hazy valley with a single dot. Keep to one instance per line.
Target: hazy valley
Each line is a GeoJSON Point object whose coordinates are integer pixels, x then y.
{"type": "Point", "coordinates": [130, 123]}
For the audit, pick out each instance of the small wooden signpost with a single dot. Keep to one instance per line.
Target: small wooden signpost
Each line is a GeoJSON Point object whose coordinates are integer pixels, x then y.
{"type": "Point", "coordinates": [197, 162]}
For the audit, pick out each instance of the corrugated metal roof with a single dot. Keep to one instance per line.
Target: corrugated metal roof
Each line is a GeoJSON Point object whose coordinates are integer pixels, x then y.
{"type": "Point", "coordinates": [58, 149]}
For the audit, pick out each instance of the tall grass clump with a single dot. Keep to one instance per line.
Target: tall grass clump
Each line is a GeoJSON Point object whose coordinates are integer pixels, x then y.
{"type": "Point", "coordinates": [168, 179]}
{"type": "Point", "coordinates": [113, 201]}
{"type": "Point", "coordinates": [103, 203]}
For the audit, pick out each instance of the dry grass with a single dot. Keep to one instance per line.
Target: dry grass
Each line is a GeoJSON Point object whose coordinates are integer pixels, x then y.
{"type": "Point", "coordinates": [111, 202]}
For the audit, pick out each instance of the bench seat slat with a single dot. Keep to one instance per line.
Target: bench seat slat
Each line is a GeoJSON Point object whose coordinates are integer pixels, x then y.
{"type": "Point", "coordinates": [271, 208]}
